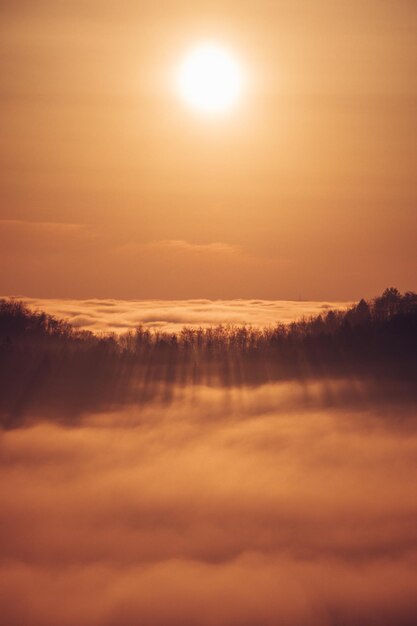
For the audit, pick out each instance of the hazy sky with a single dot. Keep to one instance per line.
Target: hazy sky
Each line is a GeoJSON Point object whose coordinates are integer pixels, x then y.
{"type": "Point", "coordinates": [111, 187]}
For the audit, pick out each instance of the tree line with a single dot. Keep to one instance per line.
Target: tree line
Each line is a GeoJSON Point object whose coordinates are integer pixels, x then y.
{"type": "Point", "coordinates": [48, 365]}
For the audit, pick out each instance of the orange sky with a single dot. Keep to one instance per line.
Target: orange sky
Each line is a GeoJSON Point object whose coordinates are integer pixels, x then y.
{"type": "Point", "coordinates": [111, 187]}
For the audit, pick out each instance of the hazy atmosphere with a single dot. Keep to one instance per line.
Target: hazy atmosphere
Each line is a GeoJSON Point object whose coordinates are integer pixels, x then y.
{"type": "Point", "coordinates": [208, 313]}
{"type": "Point", "coordinates": [251, 508]}
{"type": "Point", "coordinates": [112, 187]}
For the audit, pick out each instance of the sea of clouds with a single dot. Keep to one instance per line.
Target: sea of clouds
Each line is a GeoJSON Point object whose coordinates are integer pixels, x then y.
{"type": "Point", "coordinates": [246, 506]}
{"type": "Point", "coordinates": [276, 504]}
{"type": "Point", "coordinates": [171, 315]}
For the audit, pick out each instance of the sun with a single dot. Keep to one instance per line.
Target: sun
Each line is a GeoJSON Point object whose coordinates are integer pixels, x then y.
{"type": "Point", "coordinates": [210, 79]}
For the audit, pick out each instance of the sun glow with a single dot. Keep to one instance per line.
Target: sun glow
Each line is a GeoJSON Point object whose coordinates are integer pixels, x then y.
{"type": "Point", "coordinates": [210, 80]}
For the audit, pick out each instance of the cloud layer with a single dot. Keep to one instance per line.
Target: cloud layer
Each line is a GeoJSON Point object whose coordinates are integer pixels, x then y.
{"type": "Point", "coordinates": [217, 509]}
{"type": "Point", "coordinates": [171, 315]}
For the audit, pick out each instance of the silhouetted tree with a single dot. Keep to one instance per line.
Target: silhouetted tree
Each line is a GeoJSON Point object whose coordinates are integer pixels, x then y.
{"type": "Point", "coordinates": [44, 362]}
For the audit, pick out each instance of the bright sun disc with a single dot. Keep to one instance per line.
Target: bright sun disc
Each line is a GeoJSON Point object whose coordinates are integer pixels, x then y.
{"type": "Point", "coordinates": [209, 79]}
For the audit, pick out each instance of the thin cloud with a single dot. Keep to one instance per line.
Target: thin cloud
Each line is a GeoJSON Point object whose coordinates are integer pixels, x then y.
{"type": "Point", "coordinates": [186, 246]}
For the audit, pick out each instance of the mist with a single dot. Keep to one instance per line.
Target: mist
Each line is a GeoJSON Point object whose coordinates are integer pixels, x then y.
{"type": "Point", "coordinates": [215, 476]}
{"type": "Point", "coordinates": [229, 507]}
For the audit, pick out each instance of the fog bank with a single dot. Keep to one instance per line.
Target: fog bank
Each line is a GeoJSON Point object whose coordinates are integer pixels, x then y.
{"type": "Point", "coordinates": [221, 507]}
